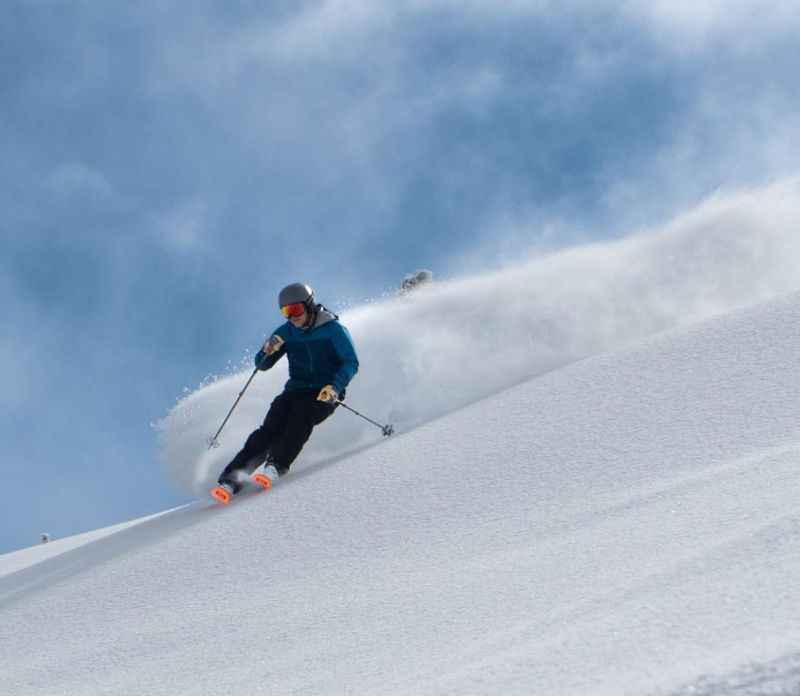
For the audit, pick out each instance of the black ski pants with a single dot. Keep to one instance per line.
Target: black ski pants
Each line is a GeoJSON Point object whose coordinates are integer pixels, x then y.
{"type": "Point", "coordinates": [286, 428]}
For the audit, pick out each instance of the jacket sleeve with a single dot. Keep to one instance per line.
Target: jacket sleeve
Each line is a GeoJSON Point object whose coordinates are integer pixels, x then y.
{"type": "Point", "coordinates": [346, 352]}
{"type": "Point", "coordinates": [264, 361]}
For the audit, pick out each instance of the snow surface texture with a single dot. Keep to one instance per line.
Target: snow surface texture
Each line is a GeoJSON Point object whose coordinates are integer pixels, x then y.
{"type": "Point", "coordinates": [450, 344]}
{"type": "Point", "coordinates": [627, 524]}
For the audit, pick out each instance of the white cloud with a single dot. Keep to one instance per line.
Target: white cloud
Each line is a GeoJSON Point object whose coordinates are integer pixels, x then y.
{"type": "Point", "coordinates": [73, 179]}
{"type": "Point", "coordinates": [324, 30]}
{"type": "Point", "coordinates": [184, 228]}
{"type": "Point", "coordinates": [24, 335]}
{"type": "Point", "coordinates": [385, 96]}
{"type": "Point", "coordinates": [686, 26]}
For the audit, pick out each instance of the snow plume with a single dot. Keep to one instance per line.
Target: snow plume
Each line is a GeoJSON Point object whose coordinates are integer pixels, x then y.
{"type": "Point", "coordinates": [455, 342]}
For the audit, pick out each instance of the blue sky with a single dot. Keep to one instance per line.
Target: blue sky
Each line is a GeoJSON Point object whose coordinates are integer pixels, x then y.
{"type": "Point", "coordinates": [165, 172]}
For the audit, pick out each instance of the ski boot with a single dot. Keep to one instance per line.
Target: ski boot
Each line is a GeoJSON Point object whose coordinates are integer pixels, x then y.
{"type": "Point", "coordinates": [267, 477]}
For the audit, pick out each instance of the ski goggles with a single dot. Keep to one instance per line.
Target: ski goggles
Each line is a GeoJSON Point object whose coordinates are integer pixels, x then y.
{"type": "Point", "coordinates": [293, 310]}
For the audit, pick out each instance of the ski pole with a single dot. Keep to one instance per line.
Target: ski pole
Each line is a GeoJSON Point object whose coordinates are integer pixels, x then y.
{"type": "Point", "coordinates": [386, 429]}
{"type": "Point", "coordinates": [213, 441]}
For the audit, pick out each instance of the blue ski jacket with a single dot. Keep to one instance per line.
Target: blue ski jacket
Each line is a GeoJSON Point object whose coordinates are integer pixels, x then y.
{"type": "Point", "coordinates": [319, 355]}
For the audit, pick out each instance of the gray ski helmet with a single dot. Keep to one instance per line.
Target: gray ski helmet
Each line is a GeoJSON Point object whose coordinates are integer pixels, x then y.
{"type": "Point", "coordinates": [296, 292]}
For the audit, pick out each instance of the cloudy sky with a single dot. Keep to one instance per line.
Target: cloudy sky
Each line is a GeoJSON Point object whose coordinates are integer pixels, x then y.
{"type": "Point", "coordinates": [166, 170]}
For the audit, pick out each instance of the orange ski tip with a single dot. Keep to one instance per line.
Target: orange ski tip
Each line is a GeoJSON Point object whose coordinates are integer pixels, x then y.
{"type": "Point", "coordinates": [221, 494]}
{"type": "Point", "coordinates": [263, 480]}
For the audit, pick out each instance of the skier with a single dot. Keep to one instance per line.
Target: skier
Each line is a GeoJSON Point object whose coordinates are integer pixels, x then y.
{"type": "Point", "coordinates": [322, 361]}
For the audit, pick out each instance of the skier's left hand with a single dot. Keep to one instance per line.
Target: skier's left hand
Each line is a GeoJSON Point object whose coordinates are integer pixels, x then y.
{"type": "Point", "coordinates": [272, 345]}
{"type": "Point", "coordinates": [328, 394]}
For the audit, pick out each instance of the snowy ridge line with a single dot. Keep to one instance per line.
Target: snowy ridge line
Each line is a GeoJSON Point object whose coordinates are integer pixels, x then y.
{"type": "Point", "coordinates": [36, 560]}
{"type": "Point", "coordinates": [450, 344]}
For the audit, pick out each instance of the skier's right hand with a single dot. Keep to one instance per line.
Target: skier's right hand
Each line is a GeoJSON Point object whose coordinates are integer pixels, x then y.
{"type": "Point", "coordinates": [272, 344]}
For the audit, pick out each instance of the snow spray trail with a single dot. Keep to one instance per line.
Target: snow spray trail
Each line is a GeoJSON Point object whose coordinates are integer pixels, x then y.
{"type": "Point", "coordinates": [452, 343]}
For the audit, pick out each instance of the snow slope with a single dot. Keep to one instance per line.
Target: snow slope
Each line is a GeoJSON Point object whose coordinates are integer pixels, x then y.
{"type": "Point", "coordinates": [623, 525]}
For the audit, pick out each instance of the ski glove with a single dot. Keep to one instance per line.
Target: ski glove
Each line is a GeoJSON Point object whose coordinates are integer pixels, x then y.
{"type": "Point", "coordinates": [328, 394]}
{"type": "Point", "coordinates": [272, 345]}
